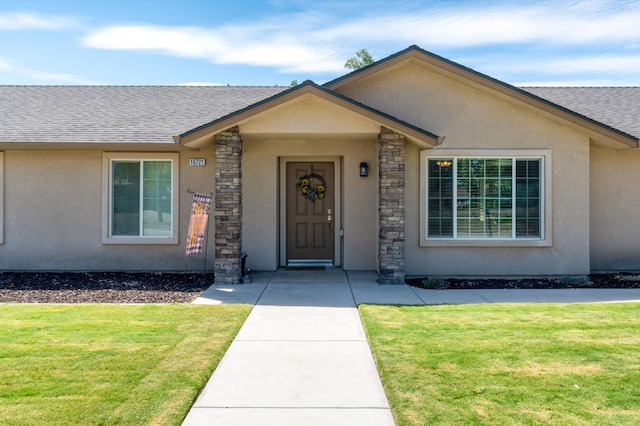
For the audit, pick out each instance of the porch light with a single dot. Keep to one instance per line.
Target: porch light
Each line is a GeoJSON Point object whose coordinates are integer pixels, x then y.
{"type": "Point", "coordinates": [364, 169]}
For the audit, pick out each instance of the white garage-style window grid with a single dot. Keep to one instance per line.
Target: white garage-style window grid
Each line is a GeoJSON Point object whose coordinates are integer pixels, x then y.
{"type": "Point", "coordinates": [485, 198]}
{"type": "Point", "coordinates": [140, 198]}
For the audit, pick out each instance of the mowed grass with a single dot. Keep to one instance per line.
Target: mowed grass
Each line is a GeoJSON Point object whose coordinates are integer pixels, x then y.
{"type": "Point", "coordinates": [109, 364]}
{"type": "Point", "coordinates": [519, 364]}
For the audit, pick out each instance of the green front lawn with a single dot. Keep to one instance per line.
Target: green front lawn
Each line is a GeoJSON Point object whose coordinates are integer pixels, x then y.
{"type": "Point", "coordinates": [109, 364]}
{"type": "Point", "coordinates": [509, 364]}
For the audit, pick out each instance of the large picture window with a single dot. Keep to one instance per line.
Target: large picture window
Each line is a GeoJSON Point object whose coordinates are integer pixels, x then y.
{"type": "Point", "coordinates": [142, 199]}
{"type": "Point", "coordinates": [485, 198]}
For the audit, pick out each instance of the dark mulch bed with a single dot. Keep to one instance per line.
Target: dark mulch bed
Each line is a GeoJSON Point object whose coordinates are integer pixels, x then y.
{"type": "Point", "coordinates": [622, 280]}
{"type": "Point", "coordinates": [102, 287]}
{"type": "Point", "coordinates": [121, 287]}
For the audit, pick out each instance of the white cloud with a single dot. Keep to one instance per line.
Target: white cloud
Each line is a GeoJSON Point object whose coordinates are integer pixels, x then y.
{"type": "Point", "coordinates": [599, 64]}
{"type": "Point", "coordinates": [45, 77]}
{"type": "Point", "coordinates": [556, 69]}
{"type": "Point", "coordinates": [220, 46]}
{"type": "Point", "coordinates": [180, 41]}
{"type": "Point", "coordinates": [60, 78]}
{"type": "Point", "coordinates": [13, 21]}
{"type": "Point", "coordinates": [318, 42]}
{"type": "Point", "coordinates": [547, 22]}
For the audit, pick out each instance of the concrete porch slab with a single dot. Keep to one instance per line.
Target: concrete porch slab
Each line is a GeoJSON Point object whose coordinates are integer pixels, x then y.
{"type": "Point", "coordinates": [319, 294]}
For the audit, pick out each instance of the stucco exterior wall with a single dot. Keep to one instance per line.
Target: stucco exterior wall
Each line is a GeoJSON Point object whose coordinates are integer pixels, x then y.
{"type": "Point", "coordinates": [51, 202]}
{"type": "Point", "coordinates": [472, 117]}
{"type": "Point", "coordinates": [615, 210]}
{"type": "Point", "coordinates": [263, 189]}
{"type": "Point", "coordinates": [53, 210]}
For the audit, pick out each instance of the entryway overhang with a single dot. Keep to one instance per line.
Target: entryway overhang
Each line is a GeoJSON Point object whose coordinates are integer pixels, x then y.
{"type": "Point", "coordinates": [308, 113]}
{"type": "Point", "coordinates": [308, 109]}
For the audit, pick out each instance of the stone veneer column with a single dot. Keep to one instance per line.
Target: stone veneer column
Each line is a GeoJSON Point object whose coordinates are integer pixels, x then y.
{"type": "Point", "coordinates": [228, 206]}
{"type": "Point", "coordinates": [391, 207]}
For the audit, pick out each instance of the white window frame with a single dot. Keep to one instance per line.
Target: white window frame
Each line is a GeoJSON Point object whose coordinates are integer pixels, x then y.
{"type": "Point", "coordinates": [107, 197]}
{"type": "Point", "coordinates": [1, 197]}
{"type": "Point", "coordinates": [545, 197]}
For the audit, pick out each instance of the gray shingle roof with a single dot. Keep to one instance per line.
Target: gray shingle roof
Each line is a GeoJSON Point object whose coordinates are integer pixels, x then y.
{"type": "Point", "coordinates": [617, 107]}
{"type": "Point", "coordinates": [153, 114]}
{"type": "Point", "coordinates": [140, 114]}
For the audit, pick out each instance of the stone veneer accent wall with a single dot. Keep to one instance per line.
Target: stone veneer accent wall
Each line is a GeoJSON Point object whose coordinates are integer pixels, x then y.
{"type": "Point", "coordinates": [391, 209]}
{"type": "Point", "coordinates": [228, 207]}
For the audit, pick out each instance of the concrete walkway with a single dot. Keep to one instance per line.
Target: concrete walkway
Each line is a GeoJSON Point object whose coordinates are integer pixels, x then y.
{"type": "Point", "coordinates": [302, 357]}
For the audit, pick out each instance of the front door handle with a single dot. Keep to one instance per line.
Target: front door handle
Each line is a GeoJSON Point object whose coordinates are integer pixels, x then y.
{"type": "Point", "coordinates": [329, 217]}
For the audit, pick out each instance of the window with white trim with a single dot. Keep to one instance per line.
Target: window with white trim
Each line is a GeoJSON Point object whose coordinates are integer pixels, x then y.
{"type": "Point", "coordinates": [142, 201]}
{"type": "Point", "coordinates": [485, 198]}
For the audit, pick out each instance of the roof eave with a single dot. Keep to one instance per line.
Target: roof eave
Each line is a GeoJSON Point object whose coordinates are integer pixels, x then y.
{"type": "Point", "coordinates": [93, 146]}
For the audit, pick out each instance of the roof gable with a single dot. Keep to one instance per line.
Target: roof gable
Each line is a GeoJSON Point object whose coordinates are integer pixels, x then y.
{"type": "Point", "coordinates": [308, 113]}
{"type": "Point", "coordinates": [306, 89]}
{"type": "Point", "coordinates": [415, 53]}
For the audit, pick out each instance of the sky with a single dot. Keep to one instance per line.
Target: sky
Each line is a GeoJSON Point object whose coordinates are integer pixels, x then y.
{"type": "Point", "coordinates": [274, 42]}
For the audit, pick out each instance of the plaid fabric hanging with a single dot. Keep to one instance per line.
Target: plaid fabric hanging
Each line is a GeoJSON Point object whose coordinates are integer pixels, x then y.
{"type": "Point", "coordinates": [198, 223]}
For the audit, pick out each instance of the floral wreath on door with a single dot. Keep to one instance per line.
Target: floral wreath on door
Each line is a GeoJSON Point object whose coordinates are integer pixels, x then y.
{"type": "Point", "coordinates": [312, 187]}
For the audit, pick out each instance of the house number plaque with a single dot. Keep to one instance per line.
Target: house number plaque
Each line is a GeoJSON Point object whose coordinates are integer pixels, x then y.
{"type": "Point", "coordinates": [197, 162]}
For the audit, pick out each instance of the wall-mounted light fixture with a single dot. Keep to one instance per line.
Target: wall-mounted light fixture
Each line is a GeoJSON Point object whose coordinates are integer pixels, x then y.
{"type": "Point", "coordinates": [364, 169]}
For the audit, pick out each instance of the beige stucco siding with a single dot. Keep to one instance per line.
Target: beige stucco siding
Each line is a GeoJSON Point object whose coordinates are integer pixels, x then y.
{"type": "Point", "coordinates": [308, 115]}
{"type": "Point", "coordinates": [52, 213]}
{"type": "Point", "coordinates": [53, 210]}
{"type": "Point", "coordinates": [52, 203]}
{"type": "Point", "coordinates": [471, 117]}
{"type": "Point", "coordinates": [615, 209]}
{"type": "Point", "coordinates": [263, 190]}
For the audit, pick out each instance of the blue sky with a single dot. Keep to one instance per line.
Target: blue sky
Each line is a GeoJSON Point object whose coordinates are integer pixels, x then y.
{"type": "Point", "coordinates": [140, 42]}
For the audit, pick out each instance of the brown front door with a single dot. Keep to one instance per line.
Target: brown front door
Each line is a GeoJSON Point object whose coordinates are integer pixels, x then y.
{"type": "Point", "coordinates": [310, 211]}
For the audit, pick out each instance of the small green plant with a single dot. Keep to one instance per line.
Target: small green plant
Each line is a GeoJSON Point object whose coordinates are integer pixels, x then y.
{"type": "Point", "coordinates": [430, 283]}
{"type": "Point", "coordinates": [434, 283]}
